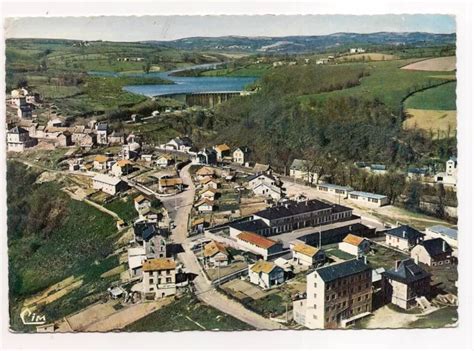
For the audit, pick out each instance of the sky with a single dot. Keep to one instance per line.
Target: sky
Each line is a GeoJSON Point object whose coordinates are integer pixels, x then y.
{"type": "Point", "coordinates": [138, 28]}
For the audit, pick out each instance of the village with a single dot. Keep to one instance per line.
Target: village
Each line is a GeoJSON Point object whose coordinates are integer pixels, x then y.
{"type": "Point", "coordinates": [288, 250]}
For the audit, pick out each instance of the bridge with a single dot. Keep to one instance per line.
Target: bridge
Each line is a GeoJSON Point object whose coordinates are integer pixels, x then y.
{"type": "Point", "coordinates": [205, 99]}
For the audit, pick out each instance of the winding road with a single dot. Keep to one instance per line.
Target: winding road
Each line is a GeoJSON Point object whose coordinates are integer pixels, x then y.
{"type": "Point", "coordinates": [179, 209]}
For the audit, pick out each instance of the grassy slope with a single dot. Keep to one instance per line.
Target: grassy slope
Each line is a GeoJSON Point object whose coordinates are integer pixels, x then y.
{"type": "Point", "coordinates": [174, 317]}
{"type": "Point", "coordinates": [386, 82]}
{"type": "Point", "coordinates": [442, 97]}
{"type": "Point", "coordinates": [124, 208]}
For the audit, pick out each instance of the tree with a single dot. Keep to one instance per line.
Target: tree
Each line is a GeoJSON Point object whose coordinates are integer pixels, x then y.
{"type": "Point", "coordinates": [147, 67]}
{"type": "Point", "coordinates": [413, 193]}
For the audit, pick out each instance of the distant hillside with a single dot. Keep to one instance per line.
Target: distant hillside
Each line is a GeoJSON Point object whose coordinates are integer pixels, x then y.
{"type": "Point", "coordinates": [295, 44]}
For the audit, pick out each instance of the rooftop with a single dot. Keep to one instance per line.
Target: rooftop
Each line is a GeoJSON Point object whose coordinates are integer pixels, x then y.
{"type": "Point", "coordinates": [204, 171]}
{"type": "Point", "coordinates": [123, 163]}
{"type": "Point", "coordinates": [341, 270]}
{"type": "Point", "coordinates": [170, 181]}
{"type": "Point", "coordinates": [441, 229]}
{"type": "Point", "coordinates": [407, 271]}
{"type": "Point", "coordinates": [436, 247]}
{"type": "Point", "coordinates": [292, 208]}
{"type": "Point", "coordinates": [249, 226]}
{"type": "Point", "coordinates": [262, 266]}
{"type": "Point", "coordinates": [305, 249]}
{"type": "Point", "coordinates": [222, 148]}
{"type": "Point", "coordinates": [256, 240]}
{"type": "Point", "coordinates": [101, 158]}
{"type": "Point", "coordinates": [335, 186]}
{"type": "Point", "coordinates": [158, 264]}
{"type": "Point", "coordinates": [369, 195]}
{"type": "Point", "coordinates": [353, 239]}
{"type": "Point", "coordinates": [299, 165]}
{"type": "Point", "coordinates": [140, 198]}
{"type": "Point", "coordinates": [213, 248]}
{"type": "Point", "coordinates": [405, 232]}
{"type": "Point", "coordinates": [104, 178]}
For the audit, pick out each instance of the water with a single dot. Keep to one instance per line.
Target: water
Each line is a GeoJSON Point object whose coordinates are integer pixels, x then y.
{"type": "Point", "coordinates": [183, 85]}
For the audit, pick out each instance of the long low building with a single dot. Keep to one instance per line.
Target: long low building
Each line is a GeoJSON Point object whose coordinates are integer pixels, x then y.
{"type": "Point", "coordinates": [108, 184]}
{"type": "Point", "coordinates": [258, 244]}
{"type": "Point", "coordinates": [293, 215]}
{"type": "Point", "coordinates": [368, 199]}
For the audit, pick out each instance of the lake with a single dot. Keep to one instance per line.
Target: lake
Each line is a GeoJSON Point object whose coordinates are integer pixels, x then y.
{"type": "Point", "coordinates": [183, 85]}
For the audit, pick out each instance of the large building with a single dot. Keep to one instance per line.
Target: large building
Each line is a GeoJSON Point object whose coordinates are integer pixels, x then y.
{"type": "Point", "coordinates": [403, 237]}
{"type": "Point", "coordinates": [18, 139]}
{"type": "Point", "coordinates": [405, 283]}
{"type": "Point", "coordinates": [108, 184]}
{"type": "Point", "coordinates": [159, 278]}
{"type": "Point", "coordinates": [294, 215]}
{"type": "Point", "coordinates": [336, 295]}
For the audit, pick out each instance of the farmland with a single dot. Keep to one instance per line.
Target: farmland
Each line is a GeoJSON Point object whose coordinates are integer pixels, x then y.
{"type": "Point", "coordinates": [442, 97]}
{"type": "Point", "coordinates": [369, 56]}
{"type": "Point", "coordinates": [444, 64]}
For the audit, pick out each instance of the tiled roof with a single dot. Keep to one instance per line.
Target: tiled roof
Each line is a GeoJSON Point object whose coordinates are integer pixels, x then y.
{"type": "Point", "coordinates": [104, 178]}
{"type": "Point", "coordinates": [213, 248]}
{"type": "Point", "coordinates": [204, 201]}
{"type": "Point", "coordinates": [407, 272]}
{"type": "Point", "coordinates": [123, 163]}
{"type": "Point", "coordinates": [140, 198]}
{"type": "Point", "coordinates": [222, 147]}
{"type": "Point", "coordinates": [203, 171]}
{"type": "Point", "coordinates": [262, 266]}
{"type": "Point", "coordinates": [256, 240]}
{"type": "Point", "coordinates": [341, 270]}
{"type": "Point", "coordinates": [101, 158]}
{"type": "Point", "coordinates": [258, 168]}
{"type": "Point", "coordinates": [157, 264]}
{"type": "Point", "coordinates": [353, 239]}
{"type": "Point", "coordinates": [170, 181]}
{"type": "Point", "coordinates": [305, 249]}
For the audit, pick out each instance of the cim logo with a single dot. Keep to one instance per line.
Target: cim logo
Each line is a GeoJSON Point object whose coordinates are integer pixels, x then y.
{"type": "Point", "coordinates": [30, 318]}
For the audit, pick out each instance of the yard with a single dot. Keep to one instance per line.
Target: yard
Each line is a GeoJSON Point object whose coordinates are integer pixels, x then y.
{"type": "Point", "coordinates": [384, 257]}
{"type": "Point", "coordinates": [124, 207]}
{"type": "Point", "coordinates": [187, 314]}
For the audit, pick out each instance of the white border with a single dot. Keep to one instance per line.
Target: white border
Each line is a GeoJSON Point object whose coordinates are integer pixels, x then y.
{"type": "Point", "coordinates": [447, 339]}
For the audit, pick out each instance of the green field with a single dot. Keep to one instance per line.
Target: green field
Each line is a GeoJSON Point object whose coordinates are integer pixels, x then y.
{"type": "Point", "coordinates": [52, 237]}
{"type": "Point", "coordinates": [124, 208]}
{"type": "Point", "coordinates": [386, 82]}
{"type": "Point", "coordinates": [187, 314]}
{"type": "Point", "coordinates": [442, 97]}
{"type": "Point", "coordinates": [252, 70]}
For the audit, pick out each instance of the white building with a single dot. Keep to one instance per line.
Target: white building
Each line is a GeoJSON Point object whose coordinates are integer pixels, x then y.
{"type": "Point", "coordinates": [18, 139]}
{"type": "Point", "coordinates": [141, 203]}
{"type": "Point", "coordinates": [337, 190]}
{"type": "Point", "coordinates": [447, 234]}
{"type": "Point", "coordinates": [368, 199]}
{"type": "Point", "coordinates": [108, 184]}
{"type": "Point", "coordinates": [159, 278]}
{"type": "Point", "coordinates": [241, 155]}
{"type": "Point", "coordinates": [306, 255]}
{"type": "Point", "coordinates": [355, 245]}
{"type": "Point", "coordinates": [257, 244]}
{"type": "Point", "coordinates": [266, 274]}
{"type": "Point", "coordinates": [449, 177]}
{"type": "Point", "coordinates": [302, 169]}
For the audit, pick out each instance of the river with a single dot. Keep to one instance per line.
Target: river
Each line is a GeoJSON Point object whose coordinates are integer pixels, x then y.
{"type": "Point", "coordinates": [183, 85]}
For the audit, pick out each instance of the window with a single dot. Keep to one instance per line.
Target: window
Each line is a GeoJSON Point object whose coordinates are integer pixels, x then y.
{"type": "Point", "coordinates": [315, 285]}
{"type": "Point", "coordinates": [150, 281]}
{"type": "Point", "coordinates": [168, 280]}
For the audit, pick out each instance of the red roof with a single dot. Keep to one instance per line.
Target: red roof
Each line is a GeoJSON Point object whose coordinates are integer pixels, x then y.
{"type": "Point", "coordinates": [257, 240]}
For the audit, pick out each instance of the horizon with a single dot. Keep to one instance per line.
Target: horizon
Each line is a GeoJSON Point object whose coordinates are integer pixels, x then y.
{"type": "Point", "coordinates": [169, 28]}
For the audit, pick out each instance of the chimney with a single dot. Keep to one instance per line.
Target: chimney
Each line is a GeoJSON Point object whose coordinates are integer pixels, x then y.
{"type": "Point", "coordinates": [444, 246]}
{"type": "Point", "coordinates": [404, 233]}
{"type": "Point", "coordinates": [416, 259]}
{"type": "Point", "coordinates": [397, 264]}
{"type": "Point", "coordinates": [350, 228]}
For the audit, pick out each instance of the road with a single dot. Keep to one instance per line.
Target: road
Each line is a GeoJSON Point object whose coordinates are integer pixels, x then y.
{"type": "Point", "coordinates": [204, 290]}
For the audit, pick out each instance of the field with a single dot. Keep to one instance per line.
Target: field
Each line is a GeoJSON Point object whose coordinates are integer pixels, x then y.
{"type": "Point", "coordinates": [431, 120]}
{"type": "Point", "coordinates": [252, 70]}
{"type": "Point", "coordinates": [444, 64]}
{"type": "Point", "coordinates": [187, 314]}
{"type": "Point", "coordinates": [442, 97]}
{"type": "Point", "coordinates": [123, 207]}
{"type": "Point", "coordinates": [369, 56]}
{"type": "Point", "coordinates": [385, 81]}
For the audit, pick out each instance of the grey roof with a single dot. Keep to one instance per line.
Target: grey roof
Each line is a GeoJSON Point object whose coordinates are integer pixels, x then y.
{"type": "Point", "coordinates": [434, 247]}
{"type": "Point", "coordinates": [258, 168]}
{"type": "Point", "coordinates": [145, 230]}
{"type": "Point", "coordinates": [102, 126]}
{"type": "Point", "coordinates": [244, 149]}
{"type": "Point", "coordinates": [254, 176]}
{"type": "Point", "coordinates": [441, 229]}
{"type": "Point", "coordinates": [335, 186]}
{"type": "Point", "coordinates": [407, 272]}
{"type": "Point", "coordinates": [369, 195]}
{"type": "Point", "coordinates": [378, 167]}
{"type": "Point", "coordinates": [291, 208]}
{"type": "Point", "coordinates": [18, 130]}
{"type": "Point", "coordinates": [249, 226]}
{"type": "Point", "coordinates": [341, 270]}
{"type": "Point", "coordinates": [405, 232]}
{"type": "Point", "coordinates": [453, 158]}
{"type": "Point", "coordinates": [416, 170]}
{"type": "Point", "coordinates": [299, 165]}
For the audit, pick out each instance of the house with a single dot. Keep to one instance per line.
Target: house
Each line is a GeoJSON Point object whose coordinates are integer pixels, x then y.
{"type": "Point", "coordinates": [406, 282]}
{"type": "Point", "coordinates": [416, 173]}
{"type": "Point", "coordinates": [403, 237]}
{"type": "Point", "coordinates": [159, 278]}
{"type": "Point", "coordinates": [265, 178]}
{"type": "Point", "coordinates": [141, 203]}
{"type": "Point", "coordinates": [302, 169]}
{"type": "Point", "coordinates": [209, 183]}
{"type": "Point", "coordinates": [249, 225]}
{"type": "Point", "coordinates": [64, 139]}
{"type": "Point", "coordinates": [122, 167]}
{"type": "Point", "coordinates": [261, 168]}
{"type": "Point", "coordinates": [136, 256]}
{"type": "Point", "coordinates": [447, 234]}
{"type": "Point", "coordinates": [355, 245]}
{"type": "Point", "coordinates": [449, 177]}
{"type": "Point", "coordinates": [164, 160]}
{"type": "Point", "coordinates": [18, 139]}
{"type": "Point", "coordinates": [368, 199]}
{"type": "Point", "coordinates": [199, 224]}
{"type": "Point", "coordinates": [155, 247]}
{"type": "Point", "coordinates": [222, 151]}
{"type": "Point", "coordinates": [117, 138]}
{"type": "Point", "coordinates": [336, 296]}
{"type": "Point", "coordinates": [150, 215]}
{"type": "Point", "coordinates": [241, 155]}
{"type": "Point", "coordinates": [337, 190]}
{"type": "Point", "coordinates": [101, 162]}
{"type": "Point", "coordinates": [293, 215]}
{"type": "Point", "coordinates": [166, 184]}
{"type": "Point", "coordinates": [433, 252]}
{"type": "Point", "coordinates": [130, 151]}
{"type": "Point", "coordinates": [205, 205]}
{"type": "Point", "coordinates": [258, 244]}
{"type": "Point", "coordinates": [209, 193]}
{"type": "Point", "coordinates": [206, 156]}
{"type": "Point", "coordinates": [306, 255]}
{"type": "Point", "coordinates": [146, 158]}
{"type": "Point", "coordinates": [183, 144]}
{"type": "Point", "coordinates": [216, 255]}
{"type": "Point", "coordinates": [144, 231]}
{"type": "Point", "coordinates": [108, 184]}
{"type": "Point", "coordinates": [269, 191]}
{"type": "Point", "coordinates": [266, 274]}
{"type": "Point", "coordinates": [102, 133]}
{"type": "Point", "coordinates": [377, 169]}
{"type": "Point", "coordinates": [204, 172]}
{"type": "Point", "coordinates": [86, 140]}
